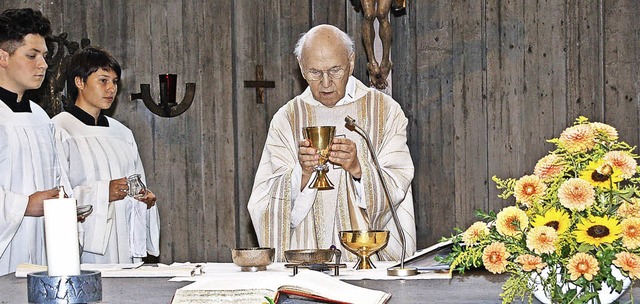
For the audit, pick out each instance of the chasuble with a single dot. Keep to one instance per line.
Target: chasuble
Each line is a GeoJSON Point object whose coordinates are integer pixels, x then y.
{"type": "Point", "coordinates": [285, 218]}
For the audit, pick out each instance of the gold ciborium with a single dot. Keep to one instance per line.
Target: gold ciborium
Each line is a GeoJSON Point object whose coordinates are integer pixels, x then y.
{"type": "Point", "coordinates": [364, 243]}
{"type": "Point", "coordinates": [321, 138]}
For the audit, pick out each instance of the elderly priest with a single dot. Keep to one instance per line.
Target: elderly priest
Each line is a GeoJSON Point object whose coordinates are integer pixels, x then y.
{"type": "Point", "coordinates": [286, 213]}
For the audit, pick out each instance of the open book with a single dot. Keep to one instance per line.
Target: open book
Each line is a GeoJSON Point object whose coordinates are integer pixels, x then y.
{"type": "Point", "coordinates": [306, 287]}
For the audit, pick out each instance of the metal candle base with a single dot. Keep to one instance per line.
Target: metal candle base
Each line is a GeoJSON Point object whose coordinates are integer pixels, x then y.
{"type": "Point", "coordinates": [83, 288]}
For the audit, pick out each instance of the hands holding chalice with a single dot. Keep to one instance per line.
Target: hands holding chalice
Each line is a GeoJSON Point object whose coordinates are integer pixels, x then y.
{"type": "Point", "coordinates": [319, 146]}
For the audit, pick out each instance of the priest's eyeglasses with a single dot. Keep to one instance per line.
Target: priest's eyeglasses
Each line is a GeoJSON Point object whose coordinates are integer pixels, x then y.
{"type": "Point", "coordinates": [333, 73]}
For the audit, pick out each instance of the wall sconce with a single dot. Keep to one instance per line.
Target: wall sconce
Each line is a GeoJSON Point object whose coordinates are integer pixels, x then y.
{"type": "Point", "coordinates": [167, 106]}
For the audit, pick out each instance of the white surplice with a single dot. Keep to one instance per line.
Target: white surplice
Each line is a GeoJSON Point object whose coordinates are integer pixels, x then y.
{"type": "Point", "coordinates": [27, 164]}
{"type": "Point", "coordinates": [121, 231]}
{"type": "Point", "coordinates": [286, 218]}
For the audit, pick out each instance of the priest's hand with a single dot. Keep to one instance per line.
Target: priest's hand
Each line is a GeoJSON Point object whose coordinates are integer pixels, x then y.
{"type": "Point", "coordinates": [308, 158]}
{"type": "Point", "coordinates": [345, 153]}
{"type": "Point", "coordinates": [35, 206]}
{"type": "Point", "coordinates": [149, 198]}
{"type": "Point", "coordinates": [118, 189]}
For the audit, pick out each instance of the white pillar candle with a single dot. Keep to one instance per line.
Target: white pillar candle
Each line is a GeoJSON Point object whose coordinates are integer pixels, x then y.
{"type": "Point", "coordinates": [61, 236]}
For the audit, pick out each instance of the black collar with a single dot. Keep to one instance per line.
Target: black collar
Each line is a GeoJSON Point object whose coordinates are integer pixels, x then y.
{"type": "Point", "coordinates": [86, 118]}
{"type": "Point", "coordinates": [11, 100]}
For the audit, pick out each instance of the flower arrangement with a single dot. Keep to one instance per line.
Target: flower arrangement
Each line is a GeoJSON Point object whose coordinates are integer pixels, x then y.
{"type": "Point", "coordinates": [577, 215]}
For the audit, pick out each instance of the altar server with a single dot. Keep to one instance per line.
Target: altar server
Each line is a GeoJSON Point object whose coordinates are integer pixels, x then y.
{"type": "Point", "coordinates": [98, 153]}
{"type": "Point", "coordinates": [285, 212]}
{"type": "Point", "coordinates": [29, 172]}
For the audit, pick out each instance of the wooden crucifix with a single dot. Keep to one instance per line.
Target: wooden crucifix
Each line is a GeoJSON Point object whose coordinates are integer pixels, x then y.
{"type": "Point", "coordinates": [259, 84]}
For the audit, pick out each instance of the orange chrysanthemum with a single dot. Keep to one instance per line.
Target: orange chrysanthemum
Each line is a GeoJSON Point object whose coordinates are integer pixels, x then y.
{"type": "Point", "coordinates": [494, 257]}
{"type": "Point", "coordinates": [578, 138]}
{"type": "Point", "coordinates": [609, 132]}
{"type": "Point", "coordinates": [576, 194]}
{"type": "Point", "coordinates": [628, 262]}
{"type": "Point", "coordinates": [628, 209]}
{"type": "Point", "coordinates": [542, 239]}
{"type": "Point", "coordinates": [529, 189]}
{"type": "Point", "coordinates": [531, 262]}
{"type": "Point", "coordinates": [549, 167]}
{"type": "Point", "coordinates": [475, 232]}
{"type": "Point", "coordinates": [511, 220]}
{"type": "Point", "coordinates": [622, 161]}
{"type": "Point", "coordinates": [583, 264]}
{"type": "Point", "coordinates": [630, 233]}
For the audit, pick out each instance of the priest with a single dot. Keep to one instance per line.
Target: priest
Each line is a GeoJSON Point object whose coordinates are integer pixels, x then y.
{"type": "Point", "coordinates": [285, 212]}
{"type": "Point", "coordinates": [30, 172]}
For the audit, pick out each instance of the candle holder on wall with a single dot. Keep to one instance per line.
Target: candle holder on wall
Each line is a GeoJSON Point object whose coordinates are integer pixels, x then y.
{"type": "Point", "coordinates": [167, 106]}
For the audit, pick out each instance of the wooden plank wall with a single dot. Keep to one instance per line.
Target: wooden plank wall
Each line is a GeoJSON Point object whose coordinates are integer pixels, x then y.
{"type": "Point", "coordinates": [483, 84]}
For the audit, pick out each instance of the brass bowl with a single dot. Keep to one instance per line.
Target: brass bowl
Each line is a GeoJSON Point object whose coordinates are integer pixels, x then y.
{"type": "Point", "coordinates": [364, 243]}
{"type": "Point", "coordinates": [309, 256]}
{"type": "Point", "coordinates": [253, 258]}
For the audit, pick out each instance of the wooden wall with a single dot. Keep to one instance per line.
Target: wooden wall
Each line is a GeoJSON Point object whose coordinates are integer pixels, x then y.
{"type": "Point", "coordinates": [483, 83]}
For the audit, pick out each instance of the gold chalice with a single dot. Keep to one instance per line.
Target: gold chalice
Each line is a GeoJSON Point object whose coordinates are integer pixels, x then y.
{"type": "Point", "coordinates": [321, 138]}
{"type": "Point", "coordinates": [364, 243]}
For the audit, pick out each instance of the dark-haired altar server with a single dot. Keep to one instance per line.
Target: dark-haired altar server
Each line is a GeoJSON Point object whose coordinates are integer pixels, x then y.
{"type": "Point", "coordinates": [29, 173]}
{"type": "Point", "coordinates": [98, 153]}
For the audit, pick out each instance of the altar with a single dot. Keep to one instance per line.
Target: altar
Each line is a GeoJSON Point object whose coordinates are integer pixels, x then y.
{"type": "Point", "coordinates": [476, 286]}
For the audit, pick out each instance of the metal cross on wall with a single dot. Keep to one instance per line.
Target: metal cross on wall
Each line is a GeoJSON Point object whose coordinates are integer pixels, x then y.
{"type": "Point", "coordinates": [260, 84]}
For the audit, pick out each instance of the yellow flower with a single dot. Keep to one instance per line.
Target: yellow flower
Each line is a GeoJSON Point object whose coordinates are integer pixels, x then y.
{"type": "Point", "coordinates": [630, 233]}
{"type": "Point", "coordinates": [494, 257]}
{"type": "Point", "coordinates": [549, 167]}
{"type": "Point", "coordinates": [576, 194]}
{"type": "Point", "coordinates": [621, 161]}
{"type": "Point", "coordinates": [529, 189]}
{"type": "Point", "coordinates": [475, 232]}
{"type": "Point", "coordinates": [597, 230]}
{"type": "Point", "coordinates": [542, 239]}
{"type": "Point", "coordinates": [602, 174]}
{"type": "Point", "coordinates": [627, 209]}
{"type": "Point", "coordinates": [511, 220]}
{"type": "Point", "coordinates": [609, 132]}
{"type": "Point", "coordinates": [583, 264]}
{"type": "Point", "coordinates": [578, 138]}
{"type": "Point", "coordinates": [531, 262]}
{"type": "Point", "coordinates": [629, 262]}
{"type": "Point", "coordinates": [554, 218]}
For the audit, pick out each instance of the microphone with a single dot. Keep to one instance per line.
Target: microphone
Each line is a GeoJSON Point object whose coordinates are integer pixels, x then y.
{"type": "Point", "coordinates": [392, 271]}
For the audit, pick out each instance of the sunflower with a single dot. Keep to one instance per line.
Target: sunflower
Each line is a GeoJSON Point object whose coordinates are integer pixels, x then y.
{"type": "Point", "coordinates": [475, 232]}
{"type": "Point", "coordinates": [583, 264]}
{"type": "Point", "coordinates": [628, 262]}
{"type": "Point", "coordinates": [597, 230]}
{"type": "Point", "coordinates": [630, 233]}
{"type": "Point", "coordinates": [494, 257]}
{"type": "Point", "coordinates": [576, 194]}
{"type": "Point", "coordinates": [529, 189]}
{"type": "Point", "coordinates": [557, 219]}
{"type": "Point", "coordinates": [511, 220]}
{"type": "Point", "coordinates": [542, 239]}
{"type": "Point", "coordinates": [531, 262]}
{"type": "Point", "coordinates": [602, 174]}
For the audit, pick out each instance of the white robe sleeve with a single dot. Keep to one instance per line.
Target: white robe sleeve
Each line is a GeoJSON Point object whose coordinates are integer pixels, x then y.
{"type": "Point", "coordinates": [13, 207]}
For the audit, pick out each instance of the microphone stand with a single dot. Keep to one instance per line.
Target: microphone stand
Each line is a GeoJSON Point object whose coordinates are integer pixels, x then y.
{"type": "Point", "coordinates": [392, 271]}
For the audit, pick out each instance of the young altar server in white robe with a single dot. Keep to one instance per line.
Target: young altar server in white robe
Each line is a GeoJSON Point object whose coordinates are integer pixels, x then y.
{"type": "Point", "coordinates": [286, 214]}
{"type": "Point", "coordinates": [98, 153]}
{"type": "Point", "coordinates": [29, 172]}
